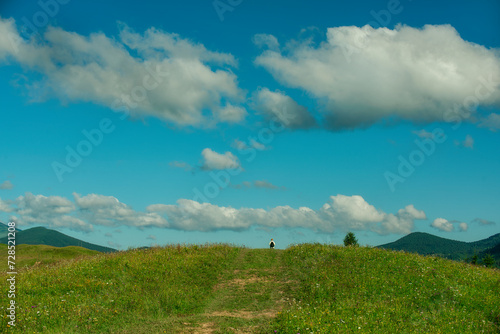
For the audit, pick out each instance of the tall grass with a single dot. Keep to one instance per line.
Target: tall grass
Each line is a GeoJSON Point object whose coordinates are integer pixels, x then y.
{"type": "Point", "coordinates": [369, 290]}
{"type": "Point", "coordinates": [29, 255]}
{"type": "Point", "coordinates": [108, 293]}
{"type": "Point", "coordinates": [317, 289]}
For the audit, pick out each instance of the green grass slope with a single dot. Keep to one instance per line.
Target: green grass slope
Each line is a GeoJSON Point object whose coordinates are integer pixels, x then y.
{"type": "Point", "coordinates": [30, 255]}
{"type": "Point", "coordinates": [138, 291]}
{"type": "Point", "coordinates": [310, 288]}
{"type": "Point", "coordinates": [370, 290]}
{"type": "Point", "coordinates": [45, 236]}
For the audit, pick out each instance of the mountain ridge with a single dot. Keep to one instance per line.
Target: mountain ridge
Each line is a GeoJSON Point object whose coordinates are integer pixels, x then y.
{"type": "Point", "coordinates": [428, 244]}
{"type": "Point", "coordinates": [44, 236]}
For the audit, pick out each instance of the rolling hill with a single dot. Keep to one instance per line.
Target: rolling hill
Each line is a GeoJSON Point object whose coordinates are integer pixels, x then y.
{"type": "Point", "coordinates": [428, 244]}
{"type": "Point", "coordinates": [307, 288]}
{"type": "Point", "coordinates": [493, 251]}
{"type": "Point", "coordinates": [28, 256]}
{"type": "Point", "coordinates": [45, 236]}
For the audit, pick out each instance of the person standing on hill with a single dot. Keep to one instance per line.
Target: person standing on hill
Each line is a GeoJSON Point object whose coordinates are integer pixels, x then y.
{"type": "Point", "coordinates": [271, 244]}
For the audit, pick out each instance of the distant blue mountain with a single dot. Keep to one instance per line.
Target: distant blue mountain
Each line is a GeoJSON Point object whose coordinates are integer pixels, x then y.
{"type": "Point", "coordinates": [45, 236]}
{"type": "Point", "coordinates": [428, 244]}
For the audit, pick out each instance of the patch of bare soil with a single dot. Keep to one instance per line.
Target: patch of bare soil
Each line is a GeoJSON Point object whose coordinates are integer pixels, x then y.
{"type": "Point", "coordinates": [243, 314]}
{"type": "Point", "coordinates": [205, 328]}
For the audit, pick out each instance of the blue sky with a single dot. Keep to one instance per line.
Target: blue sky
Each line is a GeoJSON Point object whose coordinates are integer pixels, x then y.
{"type": "Point", "coordinates": [128, 124]}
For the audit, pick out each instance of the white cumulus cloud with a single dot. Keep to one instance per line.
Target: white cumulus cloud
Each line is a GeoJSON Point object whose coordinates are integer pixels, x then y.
{"type": "Point", "coordinates": [342, 213]}
{"type": "Point", "coordinates": [213, 160]}
{"type": "Point", "coordinates": [50, 211]}
{"type": "Point", "coordinates": [442, 225]}
{"type": "Point", "coordinates": [364, 75]}
{"type": "Point", "coordinates": [109, 211]}
{"type": "Point", "coordinates": [156, 73]}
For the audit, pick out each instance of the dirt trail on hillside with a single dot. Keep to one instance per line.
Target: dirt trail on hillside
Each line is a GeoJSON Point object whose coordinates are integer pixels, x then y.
{"type": "Point", "coordinates": [247, 296]}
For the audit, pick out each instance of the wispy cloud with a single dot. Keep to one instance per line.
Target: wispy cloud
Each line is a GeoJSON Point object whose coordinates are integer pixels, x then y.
{"type": "Point", "coordinates": [265, 184]}
{"type": "Point", "coordinates": [114, 245]}
{"type": "Point", "coordinates": [491, 122]}
{"type": "Point", "coordinates": [259, 184]}
{"type": "Point", "coordinates": [423, 134]}
{"type": "Point", "coordinates": [483, 222]}
{"type": "Point", "coordinates": [181, 165]}
{"type": "Point", "coordinates": [5, 206]}
{"type": "Point", "coordinates": [468, 142]}
{"type": "Point", "coordinates": [6, 185]}
{"type": "Point", "coordinates": [252, 143]}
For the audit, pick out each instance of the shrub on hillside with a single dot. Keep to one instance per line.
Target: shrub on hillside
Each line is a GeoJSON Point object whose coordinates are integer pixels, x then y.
{"type": "Point", "coordinates": [350, 240]}
{"type": "Point", "coordinates": [488, 260]}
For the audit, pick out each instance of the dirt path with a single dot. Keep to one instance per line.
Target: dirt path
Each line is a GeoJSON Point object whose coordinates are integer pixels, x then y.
{"type": "Point", "coordinates": [247, 296]}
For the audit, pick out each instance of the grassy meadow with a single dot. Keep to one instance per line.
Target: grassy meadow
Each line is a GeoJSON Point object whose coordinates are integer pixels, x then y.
{"type": "Point", "coordinates": [308, 288]}
{"type": "Point", "coordinates": [370, 290]}
{"type": "Point", "coordinates": [28, 256]}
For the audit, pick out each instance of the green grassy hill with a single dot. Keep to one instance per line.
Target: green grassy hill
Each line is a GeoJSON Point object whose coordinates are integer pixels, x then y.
{"type": "Point", "coordinates": [45, 236]}
{"type": "Point", "coordinates": [428, 244]}
{"type": "Point", "coordinates": [310, 288]}
{"type": "Point", "coordinates": [35, 255]}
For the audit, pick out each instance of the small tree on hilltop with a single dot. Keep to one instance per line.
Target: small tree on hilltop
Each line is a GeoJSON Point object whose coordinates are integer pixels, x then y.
{"type": "Point", "coordinates": [350, 240]}
{"type": "Point", "coordinates": [488, 260]}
